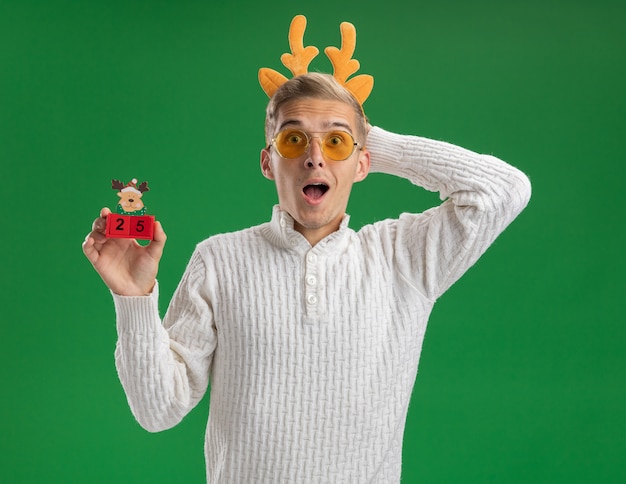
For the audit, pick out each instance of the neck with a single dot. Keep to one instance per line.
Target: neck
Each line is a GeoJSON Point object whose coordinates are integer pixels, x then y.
{"type": "Point", "coordinates": [314, 235]}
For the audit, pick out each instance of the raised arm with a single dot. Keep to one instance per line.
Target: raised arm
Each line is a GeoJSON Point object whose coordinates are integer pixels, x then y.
{"type": "Point", "coordinates": [481, 194]}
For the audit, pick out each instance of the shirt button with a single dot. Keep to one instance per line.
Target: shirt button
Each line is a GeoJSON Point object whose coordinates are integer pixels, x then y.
{"type": "Point", "coordinates": [311, 280]}
{"type": "Point", "coordinates": [293, 242]}
{"type": "Point", "coordinates": [311, 258]}
{"type": "Point", "coordinates": [311, 299]}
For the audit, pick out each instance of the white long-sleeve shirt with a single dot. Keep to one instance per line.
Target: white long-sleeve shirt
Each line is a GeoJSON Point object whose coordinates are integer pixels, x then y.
{"type": "Point", "coordinates": [312, 352]}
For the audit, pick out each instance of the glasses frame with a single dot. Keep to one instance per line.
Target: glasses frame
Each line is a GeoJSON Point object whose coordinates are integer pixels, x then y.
{"type": "Point", "coordinates": [320, 135]}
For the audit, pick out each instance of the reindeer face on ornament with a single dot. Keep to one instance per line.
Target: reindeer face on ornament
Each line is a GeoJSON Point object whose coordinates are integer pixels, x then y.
{"type": "Point", "coordinates": [130, 197]}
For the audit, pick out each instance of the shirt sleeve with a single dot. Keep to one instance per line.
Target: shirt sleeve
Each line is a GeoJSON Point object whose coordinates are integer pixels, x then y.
{"type": "Point", "coordinates": [164, 366]}
{"type": "Point", "coordinates": [481, 196]}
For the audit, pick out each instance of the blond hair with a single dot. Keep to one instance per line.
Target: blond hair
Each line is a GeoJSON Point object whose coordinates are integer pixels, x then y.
{"type": "Point", "coordinates": [313, 85]}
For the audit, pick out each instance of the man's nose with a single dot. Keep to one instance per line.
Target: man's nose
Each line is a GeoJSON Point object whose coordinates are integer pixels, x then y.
{"type": "Point", "coordinates": [315, 156]}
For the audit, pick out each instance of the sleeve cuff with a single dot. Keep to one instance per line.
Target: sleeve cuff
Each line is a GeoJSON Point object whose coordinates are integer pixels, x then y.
{"type": "Point", "coordinates": [136, 311]}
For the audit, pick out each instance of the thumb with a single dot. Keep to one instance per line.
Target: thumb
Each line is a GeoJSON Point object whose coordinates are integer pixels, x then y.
{"type": "Point", "coordinates": [158, 241]}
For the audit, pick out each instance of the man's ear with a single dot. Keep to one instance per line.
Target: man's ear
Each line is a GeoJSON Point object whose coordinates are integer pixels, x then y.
{"type": "Point", "coordinates": [363, 166]}
{"type": "Point", "coordinates": [266, 164]}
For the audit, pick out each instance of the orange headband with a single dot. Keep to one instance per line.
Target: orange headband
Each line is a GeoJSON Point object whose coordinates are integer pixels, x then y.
{"type": "Point", "coordinates": [300, 58]}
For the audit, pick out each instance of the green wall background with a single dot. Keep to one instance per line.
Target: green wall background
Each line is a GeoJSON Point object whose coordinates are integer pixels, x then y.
{"type": "Point", "coordinates": [523, 368]}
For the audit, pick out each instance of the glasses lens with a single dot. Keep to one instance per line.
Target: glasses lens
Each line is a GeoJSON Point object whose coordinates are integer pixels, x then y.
{"type": "Point", "coordinates": [291, 143]}
{"type": "Point", "coordinates": [338, 145]}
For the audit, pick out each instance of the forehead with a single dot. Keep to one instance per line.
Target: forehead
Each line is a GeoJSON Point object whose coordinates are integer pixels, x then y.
{"type": "Point", "coordinates": [316, 115]}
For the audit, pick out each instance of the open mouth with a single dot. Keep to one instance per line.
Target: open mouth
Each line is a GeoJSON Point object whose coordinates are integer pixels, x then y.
{"type": "Point", "coordinates": [315, 191]}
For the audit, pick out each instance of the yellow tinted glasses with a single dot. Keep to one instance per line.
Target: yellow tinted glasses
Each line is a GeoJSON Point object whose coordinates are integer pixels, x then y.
{"type": "Point", "coordinates": [292, 143]}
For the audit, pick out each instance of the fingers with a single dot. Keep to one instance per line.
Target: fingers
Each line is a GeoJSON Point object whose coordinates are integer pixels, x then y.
{"type": "Point", "coordinates": [159, 234]}
{"type": "Point", "coordinates": [96, 241]}
{"type": "Point", "coordinates": [89, 250]}
{"type": "Point", "coordinates": [95, 237]}
{"type": "Point", "coordinates": [99, 224]}
{"type": "Point", "coordinates": [158, 241]}
{"type": "Point", "coordinates": [93, 244]}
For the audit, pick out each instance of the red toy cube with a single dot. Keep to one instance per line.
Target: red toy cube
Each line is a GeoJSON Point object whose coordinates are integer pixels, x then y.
{"type": "Point", "coordinates": [142, 227]}
{"type": "Point", "coordinates": [130, 226]}
{"type": "Point", "coordinates": [118, 226]}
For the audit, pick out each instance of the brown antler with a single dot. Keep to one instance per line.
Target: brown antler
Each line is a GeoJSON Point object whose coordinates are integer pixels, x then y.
{"type": "Point", "coordinates": [116, 185]}
{"type": "Point", "coordinates": [143, 187]}
{"type": "Point", "coordinates": [297, 62]}
{"type": "Point", "coordinates": [344, 66]}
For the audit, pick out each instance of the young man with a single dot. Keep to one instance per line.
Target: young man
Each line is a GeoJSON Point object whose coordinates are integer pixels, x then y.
{"type": "Point", "coordinates": [308, 332]}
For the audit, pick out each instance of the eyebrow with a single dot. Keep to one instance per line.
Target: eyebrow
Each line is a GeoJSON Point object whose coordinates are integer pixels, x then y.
{"type": "Point", "coordinates": [326, 125]}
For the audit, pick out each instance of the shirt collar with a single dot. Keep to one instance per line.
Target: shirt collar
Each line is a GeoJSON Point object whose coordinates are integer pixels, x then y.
{"type": "Point", "coordinates": [281, 233]}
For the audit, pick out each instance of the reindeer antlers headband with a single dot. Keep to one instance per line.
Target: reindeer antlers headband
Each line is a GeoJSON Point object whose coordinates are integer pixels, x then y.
{"type": "Point", "coordinates": [300, 58]}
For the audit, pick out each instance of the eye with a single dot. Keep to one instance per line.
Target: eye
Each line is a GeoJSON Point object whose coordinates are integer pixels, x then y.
{"type": "Point", "coordinates": [335, 139]}
{"type": "Point", "coordinates": [295, 138]}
